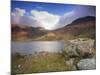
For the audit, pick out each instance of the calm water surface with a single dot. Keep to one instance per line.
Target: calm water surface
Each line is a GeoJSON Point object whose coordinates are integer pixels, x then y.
{"type": "Point", "coordinates": [37, 46]}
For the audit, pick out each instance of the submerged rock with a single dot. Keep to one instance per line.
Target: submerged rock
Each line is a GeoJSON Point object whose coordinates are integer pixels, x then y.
{"type": "Point", "coordinates": [86, 64]}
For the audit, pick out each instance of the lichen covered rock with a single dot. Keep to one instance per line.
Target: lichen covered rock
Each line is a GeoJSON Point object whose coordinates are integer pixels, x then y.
{"type": "Point", "coordinates": [87, 64]}
{"type": "Point", "coordinates": [80, 47]}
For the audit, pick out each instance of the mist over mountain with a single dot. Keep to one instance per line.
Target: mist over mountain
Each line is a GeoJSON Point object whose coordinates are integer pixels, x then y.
{"type": "Point", "coordinates": [81, 27]}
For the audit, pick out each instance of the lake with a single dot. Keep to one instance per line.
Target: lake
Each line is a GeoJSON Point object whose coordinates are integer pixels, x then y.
{"type": "Point", "coordinates": [37, 46]}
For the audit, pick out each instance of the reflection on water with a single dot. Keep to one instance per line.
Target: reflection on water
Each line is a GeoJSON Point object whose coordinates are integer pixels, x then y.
{"type": "Point", "coordinates": [37, 46]}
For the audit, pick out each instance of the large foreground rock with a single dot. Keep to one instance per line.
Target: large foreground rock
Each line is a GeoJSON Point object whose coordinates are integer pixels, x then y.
{"type": "Point", "coordinates": [81, 47]}
{"type": "Point", "coordinates": [86, 64]}
{"type": "Point", "coordinates": [70, 50]}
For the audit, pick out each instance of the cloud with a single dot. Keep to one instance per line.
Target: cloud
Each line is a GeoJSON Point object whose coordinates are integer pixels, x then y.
{"type": "Point", "coordinates": [18, 17]}
{"type": "Point", "coordinates": [19, 12]}
{"type": "Point", "coordinates": [66, 19]}
{"type": "Point", "coordinates": [28, 20]}
{"type": "Point", "coordinates": [47, 19]}
{"type": "Point", "coordinates": [35, 19]}
{"type": "Point", "coordinates": [39, 18]}
{"type": "Point", "coordinates": [76, 13]}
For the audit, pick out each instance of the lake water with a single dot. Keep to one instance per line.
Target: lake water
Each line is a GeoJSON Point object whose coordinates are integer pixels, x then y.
{"type": "Point", "coordinates": [37, 46]}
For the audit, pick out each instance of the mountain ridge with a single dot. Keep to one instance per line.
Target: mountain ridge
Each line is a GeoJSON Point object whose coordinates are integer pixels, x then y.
{"type": "Point", "coordinates": [84, 26]}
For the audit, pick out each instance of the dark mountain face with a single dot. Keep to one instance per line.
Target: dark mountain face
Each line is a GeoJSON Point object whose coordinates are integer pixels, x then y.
{"type": "Point", "coordinates": [84, 19]}
{"type": "Point", "coordinates": [81, 27]}
{"type": "Point", "coordinates": [26, 31]}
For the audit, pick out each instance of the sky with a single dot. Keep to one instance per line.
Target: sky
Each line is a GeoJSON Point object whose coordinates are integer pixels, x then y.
{"type": "Point", "coordinates": [48, 15]}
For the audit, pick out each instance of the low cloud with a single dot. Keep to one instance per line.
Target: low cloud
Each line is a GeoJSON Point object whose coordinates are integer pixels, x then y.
{"type": "Point", "coordinates": [67, 18]}
{"type": "Point", "coordinates": [36, 18]}
{"type": "Point", "coordinates": [47, 20]}
{"type": "Point", "coordinates": [16, 15]}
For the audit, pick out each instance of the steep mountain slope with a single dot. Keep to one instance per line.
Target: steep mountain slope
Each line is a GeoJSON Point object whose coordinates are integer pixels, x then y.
{"type": "Point", "coordinates": [82, 27]}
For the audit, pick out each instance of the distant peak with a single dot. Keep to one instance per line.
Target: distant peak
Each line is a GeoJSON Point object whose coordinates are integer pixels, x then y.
{"type": "Point", "coordinates": [83, 19]}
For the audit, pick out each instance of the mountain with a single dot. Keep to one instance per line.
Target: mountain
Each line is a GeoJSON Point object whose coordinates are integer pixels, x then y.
{"type": "Point", "coordinates": [82, 27]}
{"type": "Point", "coordinates": [84, 19]}
{"type": "Point", "coordinates": [20, 32]}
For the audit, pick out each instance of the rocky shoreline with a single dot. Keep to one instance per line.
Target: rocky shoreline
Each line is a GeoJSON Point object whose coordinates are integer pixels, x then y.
{"type": "Point", "coordinates": [78, 54]}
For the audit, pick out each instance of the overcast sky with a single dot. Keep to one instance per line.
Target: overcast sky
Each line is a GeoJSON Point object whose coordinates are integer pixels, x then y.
{"type": "Point", "coordinates": [47, 15]}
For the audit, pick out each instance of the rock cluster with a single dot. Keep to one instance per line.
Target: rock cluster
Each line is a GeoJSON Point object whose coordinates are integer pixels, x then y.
{"type": "Point", "coordinates": [83, 49]}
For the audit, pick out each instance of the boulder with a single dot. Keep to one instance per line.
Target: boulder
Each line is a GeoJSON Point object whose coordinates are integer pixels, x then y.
{"type": "Point", "coordinates": [70, 50]}
{"type": "Point", "coordinates": [79, 47]}
{"type": "Point", "coordinates": [85, 47]}
{"type": "Point", "coordinates": [87, 64]}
